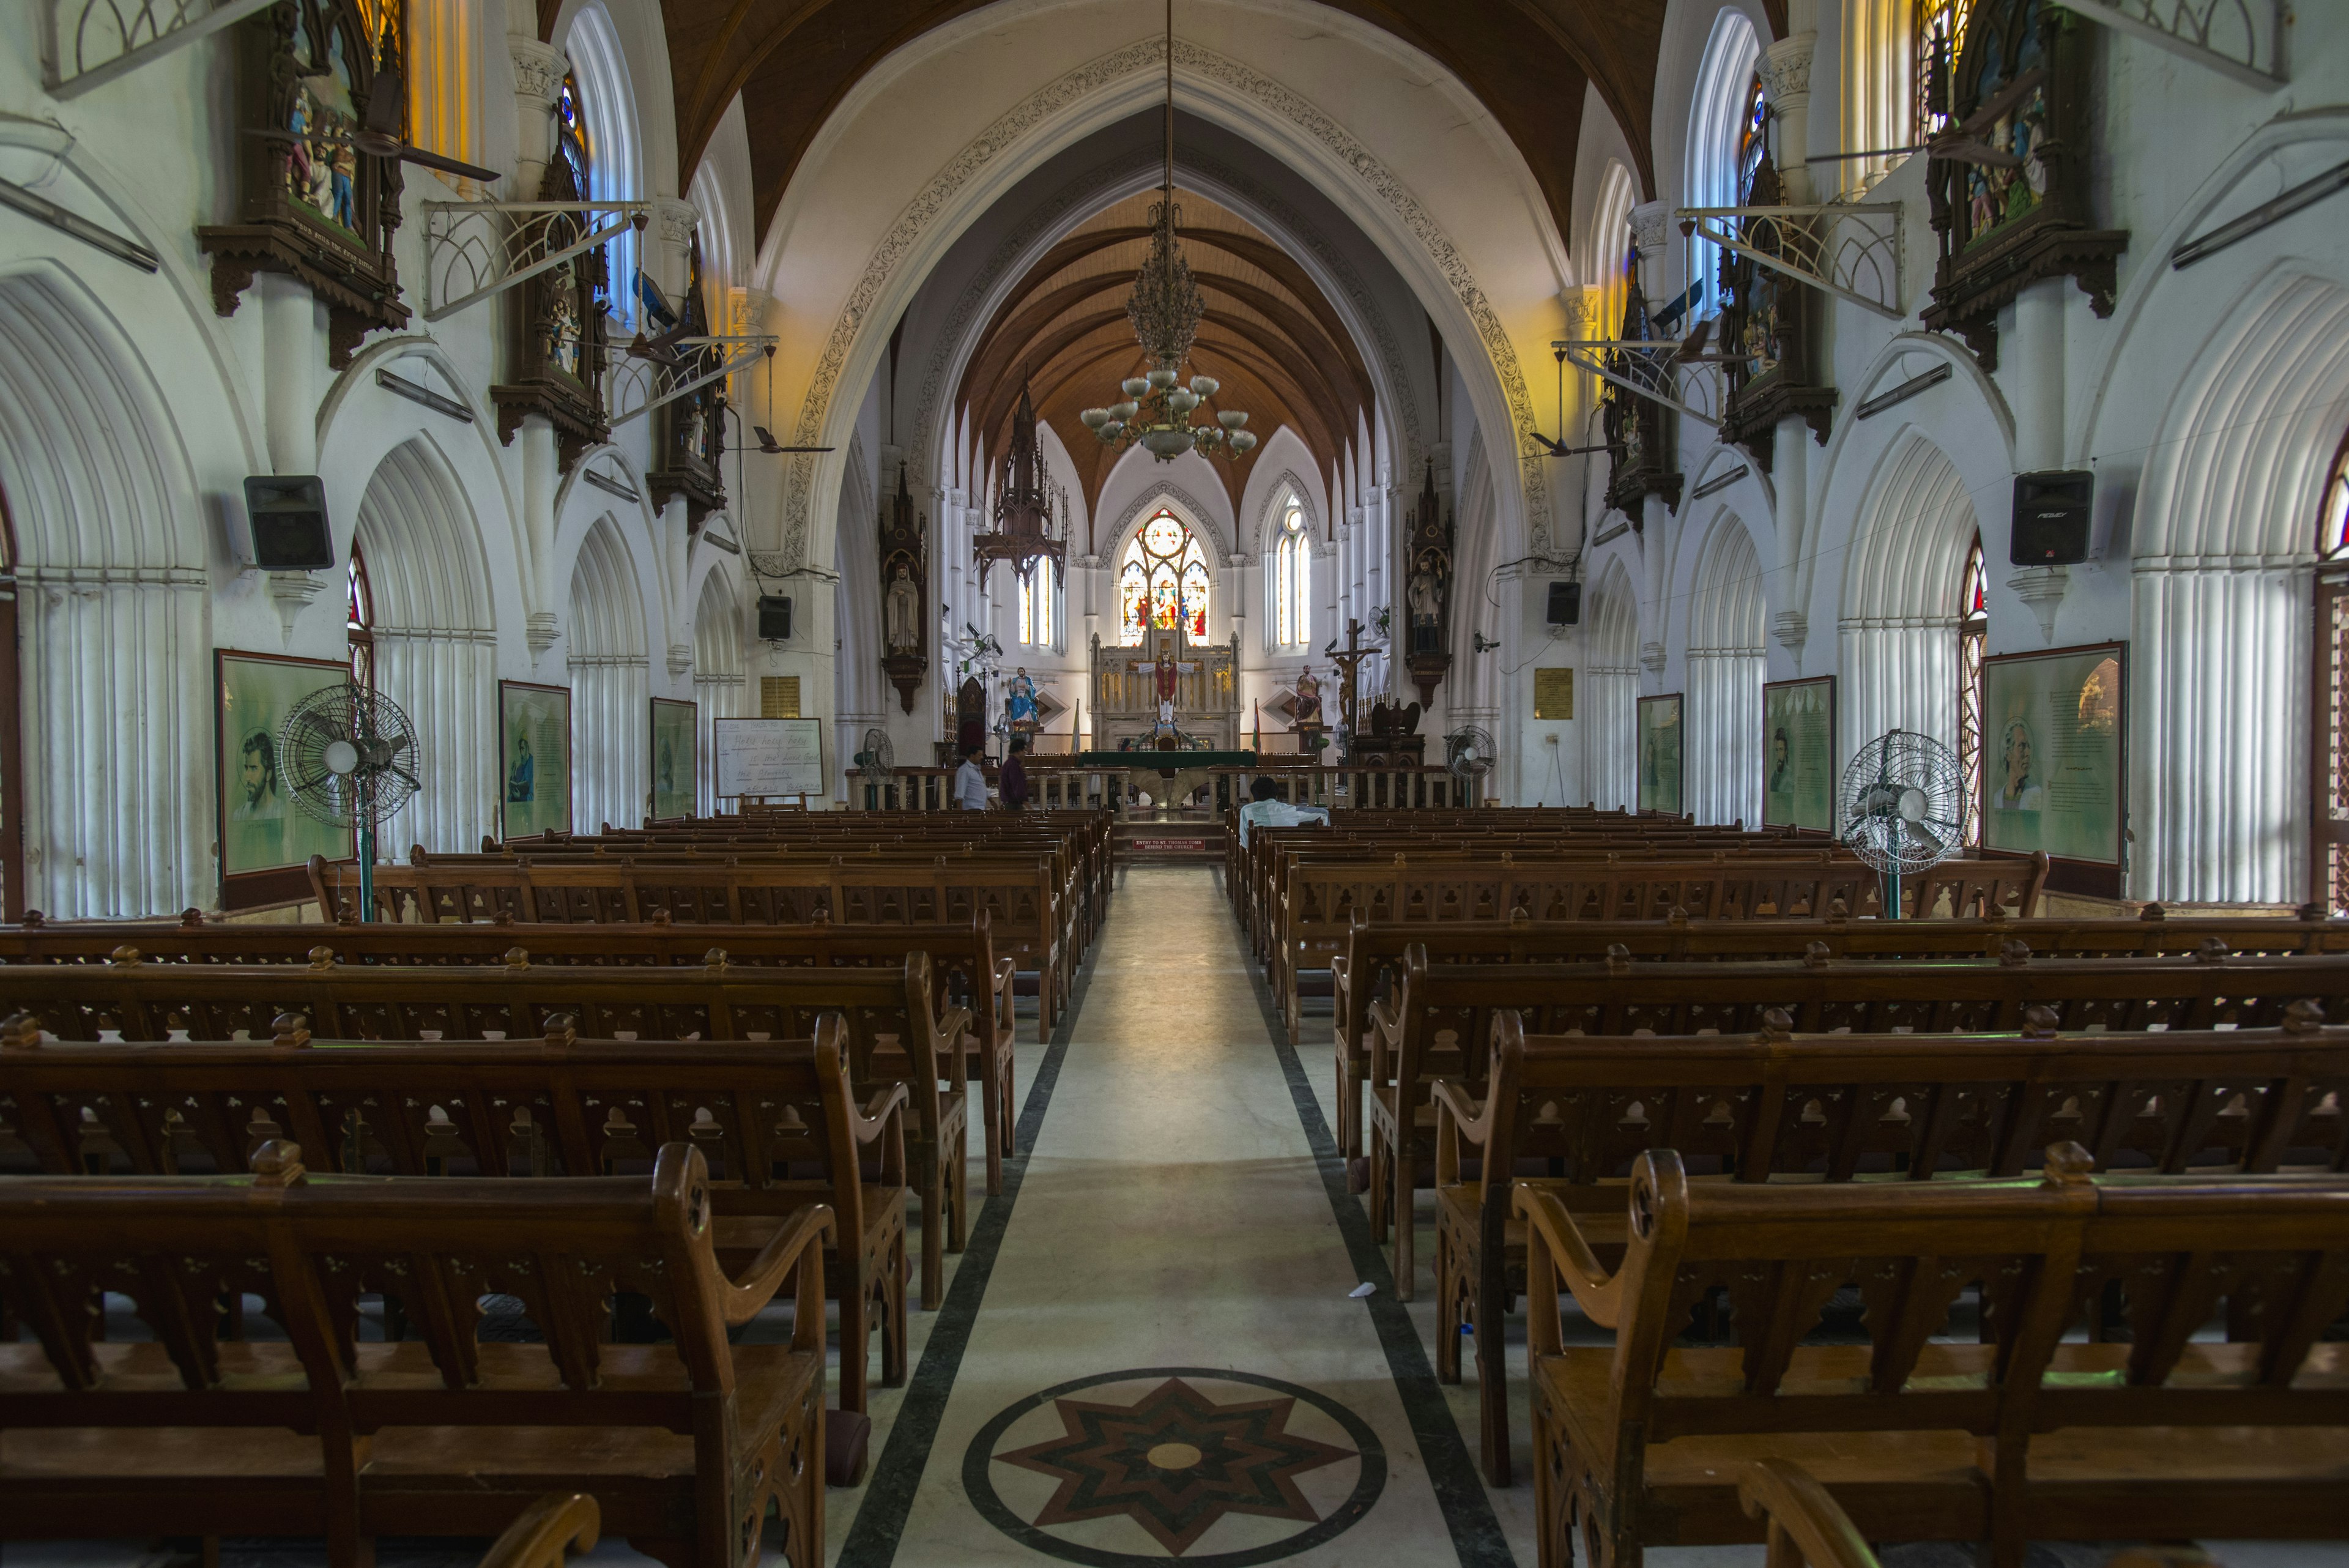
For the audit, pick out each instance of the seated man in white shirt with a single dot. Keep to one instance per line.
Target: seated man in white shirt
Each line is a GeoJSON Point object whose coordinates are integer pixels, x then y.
{"type": "Point", "coordinates": [970, 782]}
{"type": "Point", "coordinates": [1267, 809]}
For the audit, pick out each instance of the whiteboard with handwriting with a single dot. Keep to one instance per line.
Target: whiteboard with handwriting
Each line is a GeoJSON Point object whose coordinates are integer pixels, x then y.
{"type": "Point", "coordinates": [768, 756]}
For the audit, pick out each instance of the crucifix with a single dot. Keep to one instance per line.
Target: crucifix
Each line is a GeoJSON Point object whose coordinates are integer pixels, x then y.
{"type": "Point", "coordinates": [1347, 659]}
{"type": "Point", "coordinates": [1164, 671]}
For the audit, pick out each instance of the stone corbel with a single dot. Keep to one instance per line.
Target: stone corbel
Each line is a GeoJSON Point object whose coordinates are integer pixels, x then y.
{"type": "Point", "coordinates": [1648, 228]}
{"type": "Point", "coordinates": [292, 592]}
{"type": "Point", "coordinates": [540, 628]}
{"type": "Point", "coordinates": [680, 660]}
{"type": "Point", "coordinates": [1792, 628]}
{"type": "Point", "coordinates": [1652, 657]}
{"type": "Point", "coordinates": [2042, 589]}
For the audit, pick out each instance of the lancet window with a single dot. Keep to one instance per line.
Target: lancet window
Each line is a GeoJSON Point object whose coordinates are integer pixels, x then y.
{"type": "Point", "coordinates": [1973, 638]}
{"type": "Point", "coordinates": [1163, 582]}
{"type": "Point", "coordinates": [2329, 764]}
{"type": "Point", "coordinates": [358, 603]}
{"type": "Point", "coordinates": [1037, 591]}
{"type": "Point", "coordinates": [1292, 580]}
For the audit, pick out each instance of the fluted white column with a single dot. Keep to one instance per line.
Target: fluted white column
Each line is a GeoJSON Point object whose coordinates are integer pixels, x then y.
{"type": "Point", "coordinates": [1722, 746]}
{"type": "Point", "coordinates": [118, 741]}
{"type": "Point", "coordinates": [446, 682]}
{"type": "Point", "coordinates": [2218, 761]}
{"type": "Point", "coordinates": [1897, 673]}
{"type": "Point", "coordinates": [611, 726]}
{"type": "Point", "coordinates": [1606, 709]}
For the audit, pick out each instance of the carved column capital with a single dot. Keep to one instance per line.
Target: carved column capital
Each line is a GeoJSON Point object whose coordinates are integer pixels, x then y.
{"type": "Point", "coordinates": [1792, 628]}
{"type": "Point", "coordinates": [2041, 590]}
{"type": "Point", "coordinates": [1652, 657]}
{"type": "Point", "coordinates": [680, 660]}
{"type": "Point", "coordinates": [538, 70]}
{"type": "Point", "coordinates": [540, 628]}
{"type": "Point", "coordinates": [1648, 228]}
{"type": "Point", "coordinates": [673, 219]}
{"type": "Point", "coordinates": [1785, 68]}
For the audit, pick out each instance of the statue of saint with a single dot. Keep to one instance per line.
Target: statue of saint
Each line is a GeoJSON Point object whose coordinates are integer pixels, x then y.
{"type": "Point", "coordinates": [1020, 701]}
{"type": "Point", "coordinates": [1306, 712]}
{"type": "Point", "coordinates": [901, 611]}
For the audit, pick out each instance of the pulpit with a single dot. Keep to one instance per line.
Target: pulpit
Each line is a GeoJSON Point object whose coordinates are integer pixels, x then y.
{"type": "Point", "coordinates": [1165, 693]}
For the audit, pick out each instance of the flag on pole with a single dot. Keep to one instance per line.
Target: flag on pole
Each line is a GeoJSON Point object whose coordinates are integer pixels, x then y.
{"type": "Point", "coordinates": [1257, 745]}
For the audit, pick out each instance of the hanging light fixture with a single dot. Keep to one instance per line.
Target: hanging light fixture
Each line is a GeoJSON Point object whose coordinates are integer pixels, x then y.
{"type": "Point", "coordinates": [1165, 308]}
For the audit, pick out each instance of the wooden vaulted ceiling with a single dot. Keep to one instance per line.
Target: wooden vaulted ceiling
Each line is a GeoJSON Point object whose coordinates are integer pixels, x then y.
{"type": "Point", "coordinates": [1528, 61]}
{"type": "Point", "coordinates": [1269, 337]}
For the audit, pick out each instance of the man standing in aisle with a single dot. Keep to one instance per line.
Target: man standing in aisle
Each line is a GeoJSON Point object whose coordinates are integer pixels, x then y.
{"type": "Point", "coordinates": [1012, 780]}
{"type": "Point", "coordinates": [970, 782]}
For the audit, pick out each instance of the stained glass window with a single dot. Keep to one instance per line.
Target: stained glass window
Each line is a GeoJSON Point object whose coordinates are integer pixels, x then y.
{"type": "Point", "coordinates": [1752, 135]}
{"type": "Point", "coordinates": [1292, 580]}
{"type": "Point", "coordinates": [1162, 581]}
{"type": "Point", "coordinates": [2332, 518]}
{"type": "Point", "coordinates": [2329, 819]}
{"type": "Point", "coordinates": [359, 620]}
{"type": "Point", "coordinates": [1973, 636]}
{"type": "Point", "coordinates": [1941, 25]}
{"type": "Point", "coordinates": [1036, 592]}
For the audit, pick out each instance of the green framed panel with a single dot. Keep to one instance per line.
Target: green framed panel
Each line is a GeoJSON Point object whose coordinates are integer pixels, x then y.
{"type": "Point", "coordinates": [675, 760]}
{"type": "Point", "coordinates": [265, 839]}
{"type": "Point", "coordinates": [1658, 736]}
{"type": "Point", "coordinates": [534, 759]}
{"type": "Point", "coordinates": [2055, 754]}
{"type": "Point", "coordinates": [1798, 754]}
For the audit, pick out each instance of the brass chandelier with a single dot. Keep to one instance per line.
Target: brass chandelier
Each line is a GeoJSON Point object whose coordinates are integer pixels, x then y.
{"type": "Point", "coordinates": [1165, 308]}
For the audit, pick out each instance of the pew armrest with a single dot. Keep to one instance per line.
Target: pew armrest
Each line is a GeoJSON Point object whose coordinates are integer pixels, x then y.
{"type": "Point", "coordinates": [1571, 1257]}
{"type": "Point", "coordinates": [798, 1245]}
{"type": "Point", "coordinates": [1800, 1509]}
{"type": "Point", "coordinates": [953, 1029]}
{"type": "Point", "coordinates": [1005, 1015]}
{"type": "Point", "coordinates": [1457, 1117]}
{"type": "Point", "coordinates": [884, 1122]}
{"type": "Point", "coordinates": [539, 1538]}
{"type": "Point", "coordinates": [1386, 1039]}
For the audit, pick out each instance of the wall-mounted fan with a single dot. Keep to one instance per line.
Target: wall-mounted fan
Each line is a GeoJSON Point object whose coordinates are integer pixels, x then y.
{"type": "Point", "coordinates": [1903, 808]}
{"type": "Point", "coordinates": [348, 756]}
{"type": "Point", "coordinates": [1468, 752]}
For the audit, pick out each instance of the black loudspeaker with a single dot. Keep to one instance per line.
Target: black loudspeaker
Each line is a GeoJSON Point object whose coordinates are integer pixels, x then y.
{"type": "Point", "coordinates": [288, 514]}
{"type": "Point", "coordinates": [775, 618]}
{"type": "Point", "coordinates": [1565, 604]}
{"type": "Point", "coordinates": [2050, 518]}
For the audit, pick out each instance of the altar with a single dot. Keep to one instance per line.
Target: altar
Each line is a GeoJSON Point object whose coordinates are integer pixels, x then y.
{"type": "Point", "coordinates": [1168, 688]}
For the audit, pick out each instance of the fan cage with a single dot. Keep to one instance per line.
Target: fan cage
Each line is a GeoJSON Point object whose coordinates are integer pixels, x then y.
{"type": "Point", "coordinates": [1903, 803]}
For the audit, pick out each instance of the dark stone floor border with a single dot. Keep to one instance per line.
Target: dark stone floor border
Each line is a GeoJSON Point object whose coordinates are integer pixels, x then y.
{"type": "Point", "coordinates": [898, 1475]}
{"type": "Point", "coordinates": [1452, 1471]}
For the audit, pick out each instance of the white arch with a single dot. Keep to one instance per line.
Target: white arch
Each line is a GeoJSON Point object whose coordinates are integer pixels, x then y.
{"type": "Point", "coordinates": [607, 103]}
{"type": "Point", "coordinates": [1716, 114]}
{"type": "Point", "coordinates": [2224, 550]}
{"type": "Point", "coordinates": [1898, 631]}
{"type": "Point", "coordinates": [1723, 756]}
{"type": "Point", "coordinates": [1081, 101]}
{"type": "Point", "coordinates": [721, 685]}
{"type": "Point", "coordinates": [435, 645]}
{"type": "Point", "coordinates": [112, 613]}
{"type": "Point", "coordinates": [611, 685]}
{"type": "Point", "coordinates": [1608, 709]}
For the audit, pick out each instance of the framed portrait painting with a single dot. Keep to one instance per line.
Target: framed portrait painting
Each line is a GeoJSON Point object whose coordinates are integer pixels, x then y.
{"type": "Point", "coordinates": [675, 760]}
{"type": "Point", "coordinates": [2055, 760]}
{"type": "Point", "coordinates": [266, 839]}
{"type": "Point", "coordinates": [1798, 771]}
{"type": "Point", "coordinates": [1658, 740]}
{"type": "Point", "coordinates": [534, 759]}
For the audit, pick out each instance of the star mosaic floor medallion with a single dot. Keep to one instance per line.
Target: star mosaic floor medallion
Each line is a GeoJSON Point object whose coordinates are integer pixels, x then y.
{"type": "Point", "coordinates": [1176, 1451]}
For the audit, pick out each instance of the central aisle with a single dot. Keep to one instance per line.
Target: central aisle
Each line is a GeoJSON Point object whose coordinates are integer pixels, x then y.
{"type": "Point", "coordinates": [1164, 1357]}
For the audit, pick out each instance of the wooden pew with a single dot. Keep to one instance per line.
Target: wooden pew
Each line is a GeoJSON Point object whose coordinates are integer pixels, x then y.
{"type": "Point", "coordinates": [330, 1433]}
{"type": "Point", "coordinates": [1372, 959]}
{"type": "Point", "coordinates": [1807, 1529]}
{"type": "Point", "coordinates": [897, 1032]}
{"type": "Point", "coordinates": [1323, 899]}
{"type": "Point", "coordinates": [773, 1122]}
{"type": "Point", "coordinates": [1778, 1107]}
{"type": "Point", "coordinates": [963, 970]}
{"type": "Point", "coordinates": [1027, 917]}
{"type": "Point", "coordinates": [1915, 1433]}
{"type": "Point", "coordinates": [1440, 1022]}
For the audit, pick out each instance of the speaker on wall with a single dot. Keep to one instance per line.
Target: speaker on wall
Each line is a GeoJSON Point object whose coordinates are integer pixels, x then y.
{"type": "Point", "coordinates": [775, 618]}
{"type": "Point", "coordinates": [2050, 518]}
{"type": "Point", "coordinates": [1565, 604]}
{"type": "Point", "coordinates": [288, 514]}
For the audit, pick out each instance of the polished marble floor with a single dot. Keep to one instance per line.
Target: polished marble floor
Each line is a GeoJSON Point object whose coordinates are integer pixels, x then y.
{"type": "Point", "coordinates": [1151, 1349]}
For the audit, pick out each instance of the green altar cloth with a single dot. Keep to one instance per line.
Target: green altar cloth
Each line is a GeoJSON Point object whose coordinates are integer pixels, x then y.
{"type": "Point", "coordinates": [1164, 762]}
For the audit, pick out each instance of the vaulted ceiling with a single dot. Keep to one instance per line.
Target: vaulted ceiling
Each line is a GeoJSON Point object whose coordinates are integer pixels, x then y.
{"type": "Point", "coordinates": [1279, 351]}
{"type": "Point", "coordinates": [1528, 61]}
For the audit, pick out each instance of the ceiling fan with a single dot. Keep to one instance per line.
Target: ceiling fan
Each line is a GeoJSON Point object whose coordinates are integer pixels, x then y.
{"type": "Point", "coordinates": [1558, 448]}
{"type": "Point", "coordinates": [767, 444]}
